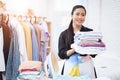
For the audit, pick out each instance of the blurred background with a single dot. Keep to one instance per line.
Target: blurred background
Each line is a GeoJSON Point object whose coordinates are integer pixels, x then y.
{"type": "Point", "coordinates": [102, 15]}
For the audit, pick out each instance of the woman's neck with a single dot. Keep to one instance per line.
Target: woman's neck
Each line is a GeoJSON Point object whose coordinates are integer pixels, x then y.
{"type": "Point", "coordinates": [76, 28]}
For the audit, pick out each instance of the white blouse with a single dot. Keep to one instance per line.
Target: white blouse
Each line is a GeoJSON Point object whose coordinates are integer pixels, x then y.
{"type": "Point", "coordinates": [2, 61]}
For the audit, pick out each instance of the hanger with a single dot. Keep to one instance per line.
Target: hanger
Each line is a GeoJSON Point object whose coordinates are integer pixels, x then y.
{"type": "Point", "coordinates": [20, 17]}
{"type": "Point", "coordinates": [1, 17]}
{"type": "Point", "coordinates": [35, 21]}
{"type": "Point", "coordinates": [7, 18]}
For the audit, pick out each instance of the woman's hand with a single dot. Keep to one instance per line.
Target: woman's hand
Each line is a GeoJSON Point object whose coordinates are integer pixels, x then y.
{"type": "Point", "coordinates": [70, 52]}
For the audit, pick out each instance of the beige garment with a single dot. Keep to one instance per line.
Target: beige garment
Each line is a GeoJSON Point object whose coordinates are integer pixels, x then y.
{"type": "Point", "coordinates": [28, 40]}
{"type": "Point", "coordinates": [54, 63]}
{"type": "Point", "coordinates": [42, 39]}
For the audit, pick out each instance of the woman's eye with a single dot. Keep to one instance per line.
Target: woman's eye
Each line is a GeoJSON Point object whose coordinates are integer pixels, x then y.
{"type": "Point", "coordinates": [83, 14]}
{"type": "Point", "coordinates": [77, 14]}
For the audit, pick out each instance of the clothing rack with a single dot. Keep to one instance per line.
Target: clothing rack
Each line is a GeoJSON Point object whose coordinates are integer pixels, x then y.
{"type": "Point", "coordinates": [19, 29]}
{"type": "Point", "coordinates": [33, 19]}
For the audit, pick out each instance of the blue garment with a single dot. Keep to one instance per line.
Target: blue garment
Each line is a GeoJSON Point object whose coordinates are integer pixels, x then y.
{"type": "Point", "coordinates": [75, 59]}
{"type": "Point", "coordinates": [13, 58]}
{"type": "Point", "coordinates": [35, 49]}
{"type": "Point", "coordinates": [66, 77]}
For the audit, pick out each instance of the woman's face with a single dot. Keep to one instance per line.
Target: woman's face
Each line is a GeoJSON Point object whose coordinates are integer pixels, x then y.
{"type": "Point", "coordinates": [78, 16]}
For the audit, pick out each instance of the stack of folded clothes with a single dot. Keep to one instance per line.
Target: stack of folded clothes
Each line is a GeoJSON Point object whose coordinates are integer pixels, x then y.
{"type": "Point", "coordinates": [88, 42]}
{"type": "Point", "coordinates": [31, 70]}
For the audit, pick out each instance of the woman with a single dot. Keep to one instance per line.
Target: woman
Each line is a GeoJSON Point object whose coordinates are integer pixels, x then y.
{"type": "Point", "coordinates": [66, 38]}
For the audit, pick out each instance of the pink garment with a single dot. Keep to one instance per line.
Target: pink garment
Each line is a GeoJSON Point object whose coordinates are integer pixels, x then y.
{"type": "Point", "coordinates": [30, 65]}
{"type": "Point", "coordinates": [86, 58]}
{"type": "Point", "coordinates": [101, 44]}
{"type": "Point", "coordinates": [28, 70]}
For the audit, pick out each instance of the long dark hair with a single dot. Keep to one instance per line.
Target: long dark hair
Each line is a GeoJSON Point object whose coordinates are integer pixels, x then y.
{"type": "Point", "coordinates": [70, 31]}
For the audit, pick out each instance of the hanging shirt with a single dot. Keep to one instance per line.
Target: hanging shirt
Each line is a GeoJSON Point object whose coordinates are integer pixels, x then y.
{"type": "Point", "coordinates": [2, 62]}
{"type": "Point", "coordinates": [44, 27]}
{"type": "Point", "coordinates": [6, 38]}
{"type": "Point", "coordinates": [28, 39]}
{"type": "Point", "coordinates": [38, 35]}
{"type": "Point", "coordinates": [35, 50]}
{"type": "Point", "coordinates": [13, 57]}
{"type": "Point", "coordinates": [13, 23]}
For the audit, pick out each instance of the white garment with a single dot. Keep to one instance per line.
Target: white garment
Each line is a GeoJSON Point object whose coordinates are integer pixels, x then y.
{"type": "Point", "coordinates": [84, 35]}
{"type": "Point", "coordinates": [87, 50]}
{"type": "Point", "coordinates": [14, 23]}
{"type": "Point", "coordinates": [2, 62]}
{"type": "Point", "coordinates": [51, 65]}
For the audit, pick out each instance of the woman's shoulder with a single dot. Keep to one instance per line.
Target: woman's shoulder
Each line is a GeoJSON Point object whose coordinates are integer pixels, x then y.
{"type": "Point", "coordinates": [86, 29]}
{"type": "Point", "coordinates": [64, 32]}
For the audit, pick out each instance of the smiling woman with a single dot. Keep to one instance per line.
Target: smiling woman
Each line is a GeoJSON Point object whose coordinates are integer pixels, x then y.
{"type": "Point", "coordinates": [62, 26]}
{"type": "Point", "coordinates": [74, 60]}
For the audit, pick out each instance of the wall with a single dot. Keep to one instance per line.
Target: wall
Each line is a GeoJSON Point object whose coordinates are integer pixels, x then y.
{"type": "Point", "coordinates": [20, 7]}
{"type": "Point", "coordinates": [110, 25]}
{"type": "Point", "coordinates": [94, 14]}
